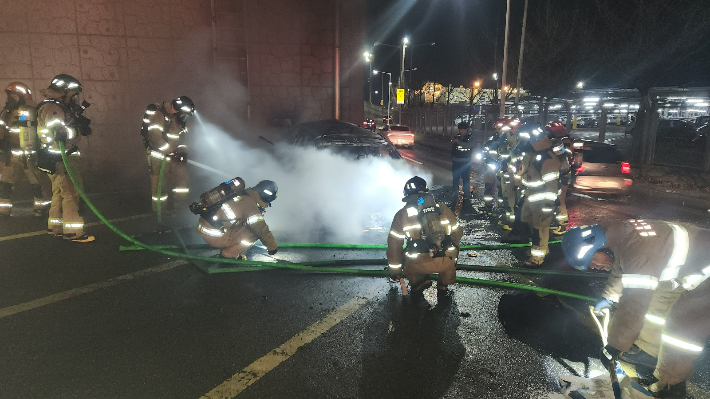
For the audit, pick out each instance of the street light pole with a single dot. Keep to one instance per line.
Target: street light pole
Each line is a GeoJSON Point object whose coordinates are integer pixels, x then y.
{"type": "Point", "coordinates": [389, 96]}
{"type": "Point", "coordinates": [368, 58]}
{"type": "Point", "coordinates": [505, 60]}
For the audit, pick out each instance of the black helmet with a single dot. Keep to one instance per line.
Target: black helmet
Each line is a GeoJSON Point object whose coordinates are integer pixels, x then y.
{"type": "Point", "coordinates": [184, 105]}
{"type": "Point", "coordinates": [64, 83]}
{"type": "Point", "coordinates": [415, 185]}
{"type": "Point", "coordinates": [267, 190]}
{"type": "Point", "coordinates": [463, 125]}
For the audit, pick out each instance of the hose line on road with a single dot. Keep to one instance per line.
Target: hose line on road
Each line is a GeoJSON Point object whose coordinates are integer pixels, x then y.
{"type": "Point", "coordinates": [340, 246]}
{"type": "Point", "coordinates": [360, 272]}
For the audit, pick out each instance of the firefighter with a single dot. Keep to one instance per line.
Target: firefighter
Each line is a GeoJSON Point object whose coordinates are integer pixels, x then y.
{"type": "Point", "coordinates": [424, 239]}
{"type": "Point", "coordinates": [236, 222]}
{"type": "Point", "coordinates": [164, 130]}
{"type": "Point", "coordinates": [558, 134]}
{"type": "Point", "coordinates": [461, 152]}
{"type": "Point", "coordinates": [18, 146]}
{"type": "Point", "coordinates": [659, 279]}
{"type": "Point", "coordinates": [540, 173]}
{"type": "Point", "coordinates": [507, 172]}
{"type": "Point", "coordinates": [492, 165]}
{"type": "Point", "coordinates": [60, 119]}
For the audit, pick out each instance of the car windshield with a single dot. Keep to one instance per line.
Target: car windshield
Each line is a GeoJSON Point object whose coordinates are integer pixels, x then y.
{"type": "Point", "coordinates": [399, 128]}
{"type": "Point", "coordinates": [601, 154]}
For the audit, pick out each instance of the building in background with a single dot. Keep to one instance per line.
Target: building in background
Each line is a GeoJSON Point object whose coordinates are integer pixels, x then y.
{"type": "Point", "coordinates": [245, 63]}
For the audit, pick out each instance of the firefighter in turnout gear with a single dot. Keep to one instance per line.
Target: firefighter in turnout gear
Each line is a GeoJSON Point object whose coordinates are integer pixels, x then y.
{"type": "Point", "coordinates": [164, 130]}
{"type": "Point", "coordinates": [508, 172]}
{"type": "Point", "coordinates": [60, 119]}
{"type": "Point", "coordinates": [557, 132]}
{"type": "Point", "coordinates": [424, 239]}
{"type": "Point", "coordinates": [660, 280]}
{"type": "Point", "coordinates": [18, 147]}
{"type": "Point", "coordinates": [461, 156]}
{"type": "Point", "coordinates": [540, 175]}
{"type": "Point", "coordinates": [492, 165]}
{"type": "Point", "coordinates": [232, 217]}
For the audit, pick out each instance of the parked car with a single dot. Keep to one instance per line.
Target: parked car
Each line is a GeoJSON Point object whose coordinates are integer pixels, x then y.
{"type": "Point", "coordinates": [342, 138]}
{"type": "Point", "coordinates": [399, 135]}
{"type": "Point", "coordinates": [601, 168]}
{"type": "Point", "coordinates": [586, 121]}
{"type": "Point", "coordinates": [701, 120]}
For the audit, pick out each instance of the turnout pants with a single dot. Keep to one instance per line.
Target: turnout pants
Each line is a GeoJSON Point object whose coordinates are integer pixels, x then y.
{"type": "Point", "coordinates": [235, 241]}
{"type": "Point", "coordinates": [64, 218]}
{"type": "Point", "coordinates": [175, 184]}
{"type": "Point", "coordinates": [686, 330]}
{"type": "Point", "coordinates": [462, 171]}
{"type": "Point", "coordinates": [508, 191]}
{"type": "Point", "coordinates": [17, 168]}
{"type": "Point", "coordinates": [539, 221]}
{"type": "Point", "coordinates": [418, 269]}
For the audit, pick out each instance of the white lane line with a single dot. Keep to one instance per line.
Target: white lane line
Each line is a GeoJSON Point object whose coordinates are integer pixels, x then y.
{"type": "Point", "coordinates": [253, 372]}
{"type": "Point", "coordinates": [48, 300]}
{"type": "Point", "coordinates": [39, 233]}
{"type": "Point", "coordinates": [410, 159]}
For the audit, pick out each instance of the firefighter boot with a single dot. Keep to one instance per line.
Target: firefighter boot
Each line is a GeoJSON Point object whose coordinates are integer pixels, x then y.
{"type": "Point", "coordinates": [638, 357]}
{"type": "Point", "coordinates": [667, 391]}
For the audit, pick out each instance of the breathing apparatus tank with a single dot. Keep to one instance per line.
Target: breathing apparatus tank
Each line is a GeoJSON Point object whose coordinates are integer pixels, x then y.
{"type": "Point", "coordinates": [430, 219]}
{"type": "Point", "coordinates": [23, 125]}
{"type": "Point", "coordinates": [215, 197]}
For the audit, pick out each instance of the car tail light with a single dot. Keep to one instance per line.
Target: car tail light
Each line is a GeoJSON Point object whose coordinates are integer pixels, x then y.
{"type": "Point", "coordinates": [625, 167]}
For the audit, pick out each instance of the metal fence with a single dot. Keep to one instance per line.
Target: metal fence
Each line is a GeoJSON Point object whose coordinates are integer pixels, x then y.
{"type": "Point", "coordinates": [678, 147]}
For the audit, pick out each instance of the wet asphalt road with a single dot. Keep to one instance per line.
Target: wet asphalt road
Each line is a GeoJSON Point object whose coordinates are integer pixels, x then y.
{"type": "Point", "coordinates": [88, 321]}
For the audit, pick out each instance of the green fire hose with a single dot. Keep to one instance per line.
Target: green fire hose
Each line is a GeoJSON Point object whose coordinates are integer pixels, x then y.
{"type": "Point", "coordinates": [360, 272]}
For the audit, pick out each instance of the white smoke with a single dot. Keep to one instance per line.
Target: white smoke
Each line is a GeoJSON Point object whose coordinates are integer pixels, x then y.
{"type": "Point", "coordinates": [322, 196]}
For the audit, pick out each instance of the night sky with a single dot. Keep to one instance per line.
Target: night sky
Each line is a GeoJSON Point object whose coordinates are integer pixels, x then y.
{"type": "Point", "coordinates": [596, 41]}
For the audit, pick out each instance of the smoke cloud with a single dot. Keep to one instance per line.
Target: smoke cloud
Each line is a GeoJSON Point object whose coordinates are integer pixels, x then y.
{"type": "Point", "coordinates": [322, 196]}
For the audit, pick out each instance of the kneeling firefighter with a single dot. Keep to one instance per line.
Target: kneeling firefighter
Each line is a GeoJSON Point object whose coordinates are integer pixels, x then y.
{"type": "Point", "coordinates": [232, 217]}
{"type": "Point", "coordinates": [431, 233]}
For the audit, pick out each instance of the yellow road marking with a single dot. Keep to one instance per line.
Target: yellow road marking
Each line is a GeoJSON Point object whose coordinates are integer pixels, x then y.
{"type": "Point", "coordinates": [410, 159]}
{"type": "Point", "coordinates": [48, 300]}
{"type": "Point", "coordinates": [253, 372]}
{"type": "Point", "coordinates": [41, 232]}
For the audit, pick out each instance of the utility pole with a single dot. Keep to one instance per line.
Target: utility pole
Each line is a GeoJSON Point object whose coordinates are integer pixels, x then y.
{"type": "Point", "coordinates": [336, 59]}
{"type": "Point", "coordinates": [400, 85]}
{"type": "Point", "coordinates": [505, 61]}
{"type": "Point", "coordinates": [518, 83]}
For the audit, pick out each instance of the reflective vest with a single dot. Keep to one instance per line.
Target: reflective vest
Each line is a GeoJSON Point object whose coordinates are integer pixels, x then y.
{"type": "Point", "coordinates": [462, 150]}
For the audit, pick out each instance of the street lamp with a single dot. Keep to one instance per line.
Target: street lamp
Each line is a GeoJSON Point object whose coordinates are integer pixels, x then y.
{"type": "Point", "coordinates": [368, 58]}
{"type": "Point", "coordinates": [580, 85]}
{"type": "Point", "coordinates": [389, 92]}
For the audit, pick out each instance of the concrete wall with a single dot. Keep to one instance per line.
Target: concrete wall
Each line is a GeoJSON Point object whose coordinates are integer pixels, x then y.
{"type": "Point", "coordinates": [129, 53]}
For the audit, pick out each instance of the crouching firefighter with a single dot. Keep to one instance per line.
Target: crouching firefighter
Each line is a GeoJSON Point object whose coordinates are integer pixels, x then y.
{"type": "Point", "coordinates": [660, 280]}
{"type": "Point", "coordinates": [232, 217]}
{"type": "Point", "coordinates": [430, 235]}
{"type": "Point", "coordinates": [164, 130]}
{"type": "Point", "coordinates": [18, 150]}
{"type": "Point", "coordinates": [60, 119]}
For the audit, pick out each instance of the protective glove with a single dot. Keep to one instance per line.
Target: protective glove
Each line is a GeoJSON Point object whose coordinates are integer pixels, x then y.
{"type": "Point", "coordinates": [395, 273]}
{"type": "Point", "coordinates": [273, 252]}
{"type": "Point", "coordinates": [601, 305]}
{"type": "Point", "coordinates": [83, 125]}
{"type": "Point", "coordinates": [609, 354]}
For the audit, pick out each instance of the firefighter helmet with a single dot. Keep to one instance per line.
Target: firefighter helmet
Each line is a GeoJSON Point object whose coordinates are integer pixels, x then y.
{"type": "Point", "coordinates": [64, 83]}
{"type": "Point", "coordinates": [514, 124]}
{"type": "Point", "coordinates": [580, 243]}
{"type": "Point", "coordinates": [267, 190]}
{"type": "Point", "coordinates": [21, 90]}
{"type": "Point", "coordinates": [415, 185]}
{"type": "Point", "coordinates": [184, 105]}
{"type": "Point", "coordinates": [530, 131]}
{"type": "Point", "coordinates": [500, 123]}
{"type": "Point", "coordinates": [556, 129]}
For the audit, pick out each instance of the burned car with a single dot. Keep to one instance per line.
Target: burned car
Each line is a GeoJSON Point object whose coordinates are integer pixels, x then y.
{"type": "Point", "coordinates": [343, 138]}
